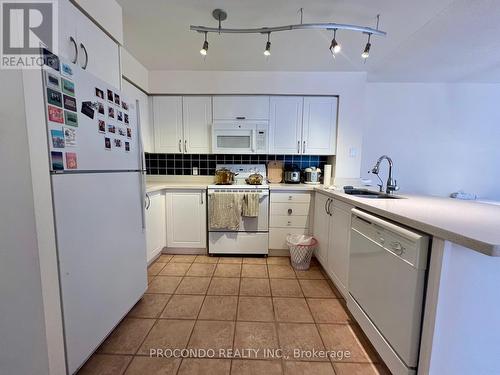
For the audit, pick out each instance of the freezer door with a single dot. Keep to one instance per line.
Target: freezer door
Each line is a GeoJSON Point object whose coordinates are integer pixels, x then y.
{"type": "Point", "coordinates": [102, 255]}
{"type": "Point", "coordinates": [102, 134]}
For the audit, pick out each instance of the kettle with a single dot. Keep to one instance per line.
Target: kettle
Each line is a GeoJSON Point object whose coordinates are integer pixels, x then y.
{"type": "Point", "coordinates": [311, 175]}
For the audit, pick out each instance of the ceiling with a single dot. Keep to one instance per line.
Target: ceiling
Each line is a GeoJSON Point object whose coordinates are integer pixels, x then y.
{"type": "Point", "coordinates": [427, 41]}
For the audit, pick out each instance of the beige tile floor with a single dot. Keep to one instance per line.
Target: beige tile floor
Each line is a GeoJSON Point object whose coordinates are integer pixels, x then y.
{"type": "Point", "coordinates": [201, 302]}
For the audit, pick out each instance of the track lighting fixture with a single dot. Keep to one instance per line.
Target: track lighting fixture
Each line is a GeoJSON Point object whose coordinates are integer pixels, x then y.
{"type": "Point", "coordinates": [267, 51]}
{"type": "Point", "coordinates": [334, 46]}
{"type": "Point", "coordinates": [220, 15]}
{"type": "Point", "coordinates": [366, 52]}
{"type": "Point", "coordinates": [204, 49]}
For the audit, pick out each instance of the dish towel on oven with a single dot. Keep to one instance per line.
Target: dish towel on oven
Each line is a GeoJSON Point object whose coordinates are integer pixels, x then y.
{"type": "Point", "coordinates": [250, 205]}
{"type": "Point", "coordinates": [225, 210]}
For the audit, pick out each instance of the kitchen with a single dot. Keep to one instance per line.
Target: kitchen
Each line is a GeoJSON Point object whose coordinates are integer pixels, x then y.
{"type": "Point", "coordinates": [115, 256]}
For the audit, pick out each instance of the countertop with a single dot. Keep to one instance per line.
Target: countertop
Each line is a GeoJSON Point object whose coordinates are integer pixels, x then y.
{"type": "Point", "coordinates": [471, 224]}
{"type": "Point", "coordinates": [155, 186]}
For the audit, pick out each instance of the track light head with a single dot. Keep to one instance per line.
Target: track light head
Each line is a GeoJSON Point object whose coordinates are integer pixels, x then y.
{"type": "Point", "coordinates": [335, 46]}
{"type": "Point", "coordinates": [267, 51]}
{"type": "Point", "coordinates": [366, 52]}
{"type": "Point", "coordinates": [204, 49]}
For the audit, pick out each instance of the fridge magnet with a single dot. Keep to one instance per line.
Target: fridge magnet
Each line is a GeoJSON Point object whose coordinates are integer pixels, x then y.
{"type": "Point", "coordinates": [71, 160]}
{"type": "Point", "coordinates": [50, 59]}
{"type": "Point", "coordinates": [70, 118]}
{"type": "Point", "coordinates": [87, 109]}
{"type": "Point", "coordinates": [117, 99]}
{"type": "Point", "coordinates": [52, 80]}
{"type": "Point", "coordinates": [69, 137]}
{"type": "Point", "coordinates": [129, 133]}
{"type": "Point", "coordinates": [119, 116]}
{"type": "Point", "coordinates": [110, 95]}
{"type": "Point", "coordinates": [107, 143]}
{"type": "Point", "coordinates": [69, 103]}
{"type": "Point", "coordinates": [100, 108]}
{"type": "Point", "coordinates": [102, 126]}
{"type": "Point", "coordinates": [121, 132]}
{"type": "Point", "coordinates": [54, 97]}
{"type": "Point", "coordinates": [125, 117]}
{"type": "Point", "coordinates": [124, 106]}
{"type": "Point", "coordinates": [118, 142]}
{"type": "Point", "coordinates": [111, 112]}
{"type": "Point", "coordinates": [66, 70]}
{"type": "Point", "coordinates": [57, 160]}
{"type": "Point", "coordinates": [111, 128]}
{"type": "Point", "coordinates": [57, 138]}
{"type": "Point", "coordinates": [55, 114]}
{"type": "Point", "coordinates": [127, 146]}
{"type": "Point", "coordinates": [99, 93]}
{"type": "Point", "coordinates": [68, 87]}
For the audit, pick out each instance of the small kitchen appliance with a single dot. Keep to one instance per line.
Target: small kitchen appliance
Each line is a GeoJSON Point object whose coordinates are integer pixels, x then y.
{"type": "Point", "coordinates": [292, 174]}
{"type": "Point", "coordinates": [311, 175]}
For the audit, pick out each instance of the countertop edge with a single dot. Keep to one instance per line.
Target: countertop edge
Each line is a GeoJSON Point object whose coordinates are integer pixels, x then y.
{"type": "Point", "coordinates": [488, 249]}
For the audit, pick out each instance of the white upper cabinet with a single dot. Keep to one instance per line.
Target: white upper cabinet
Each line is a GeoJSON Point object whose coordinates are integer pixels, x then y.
{"type": "Point", "coordinates": [319, 130]}
{"type": "Point", "coordinates": [82, 42]}
{"type": "Point", "coordinates": [197, 124]}
{"type": "Point", "coordinates": [167, 120]}
{"type": "Point", "coordinates": [242, 107]}
{"type": "Point", "coordinates": [285, 126]}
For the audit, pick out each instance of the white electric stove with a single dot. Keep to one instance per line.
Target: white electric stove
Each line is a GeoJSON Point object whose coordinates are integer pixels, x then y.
{"type": "Point", "coordinates": [252, 236]}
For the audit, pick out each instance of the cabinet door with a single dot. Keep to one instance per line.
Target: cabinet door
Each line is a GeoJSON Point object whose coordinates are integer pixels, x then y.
{"type": "Point", "coordinates": [245, 107]}
{"type": "Point", "coordinates": [67, 15]}
{"type": "Point", "coordinates": [102, 53]}
{"type": "Point", "coordinates": [156, 229]}
{"type": "Point", "coordinates": [285, 126]}
{"type": "Point", "coordinates": [197, 121]}
{"type": "Point", "coordinates": [167, 124]}
{"type": "Point", "coordinates": [186, 219]}
{"type": "Point", "coordinates": [133, 93]}
{"type": "Point", "coordinates": [338, 251]}
{"type": "Point", "coordinates": [321, 227]}
{"type": "Point", "coordinates": [319, 130]}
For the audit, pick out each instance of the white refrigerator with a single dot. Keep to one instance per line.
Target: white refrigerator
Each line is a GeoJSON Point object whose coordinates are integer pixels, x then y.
{"type": "Point", "coordinates": [98, 193]}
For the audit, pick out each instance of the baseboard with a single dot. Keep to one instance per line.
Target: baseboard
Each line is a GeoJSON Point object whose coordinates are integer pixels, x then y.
{"type": "Point", "coordinates": [279, 252]}
{"type": "Point", "coordinates": [185, 251]}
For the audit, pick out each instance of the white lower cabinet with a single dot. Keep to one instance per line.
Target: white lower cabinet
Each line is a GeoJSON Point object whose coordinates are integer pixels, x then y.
{"type": "Point", "coordinates": [332, 226]}
{"type": "Point", "coordinates": [290, 214]}
{"type": "Point", "coordinates": [186, 219]}
{"type": "Point", "coordinates": [156, 229]}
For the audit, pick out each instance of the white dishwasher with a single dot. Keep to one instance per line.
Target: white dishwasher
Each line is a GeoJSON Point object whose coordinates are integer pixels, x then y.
{"type": "Point", "coordinates": [387, 270]}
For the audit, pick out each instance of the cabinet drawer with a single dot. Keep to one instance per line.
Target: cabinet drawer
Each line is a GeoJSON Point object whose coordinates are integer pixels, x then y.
{"type": "Point", "coordinates": [280, 221]}
{"type": "Point", "coordinates": [291, 197]}
{"type": "Point", "coordinates": [290, 209]}
{"type": "Point", "coordinates": [277, 236]}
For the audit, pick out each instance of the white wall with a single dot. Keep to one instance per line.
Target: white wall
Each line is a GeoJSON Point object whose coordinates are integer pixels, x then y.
{"type": "Point", "coordinates": [350, 87]}
{"type": "Point", "coordinates": [442, 137]}
{"type": "Point", "coordinates": [23, 348]}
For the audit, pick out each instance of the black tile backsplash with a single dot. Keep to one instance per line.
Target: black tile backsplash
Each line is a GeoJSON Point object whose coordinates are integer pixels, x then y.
{"type": "Point", "coordinates": [182, 164]}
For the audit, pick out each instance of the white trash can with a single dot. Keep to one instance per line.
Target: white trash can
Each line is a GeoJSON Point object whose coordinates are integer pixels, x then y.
{"type": "Point", "coordinates": [301, 250]}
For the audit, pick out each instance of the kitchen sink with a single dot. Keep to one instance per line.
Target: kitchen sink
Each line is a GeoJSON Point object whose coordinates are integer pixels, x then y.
{"type": "Point", "coordinates": [364, 193]}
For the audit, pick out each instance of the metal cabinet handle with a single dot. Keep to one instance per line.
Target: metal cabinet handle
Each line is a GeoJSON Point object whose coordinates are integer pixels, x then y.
{"type": "Point", "coordinates": [180, 145]}
{"type": "Point", "coordinates": [330, 211]}
{"type": "Point", "coordinates": [290, 211]}
{"type": "Point", "coordinates": [185, 146]}
{"type": "Point", "coordinates": [84, 66]}
{"type": "Point", "coordinates": [72, 40]}
{"type": "Point", "coordinates": [201, 198]}
{"type": "Point", "coordinates": [288, 223]}
{"type": "Point", "coordinates": [326, 206]}
{"type": "Point", "coordinates": [240, 117]}
{"type": "Point", "coordinates": [298, 147]}
{"type": "Point", "coordinates": [304, 148]}
{"type": "Point", "coordinates": [290, 197]}
{"type": "Point", "coordinates": [148, 201]}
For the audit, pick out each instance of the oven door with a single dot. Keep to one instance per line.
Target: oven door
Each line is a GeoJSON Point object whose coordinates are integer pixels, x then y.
{"type": "Point", "coordinates": [249, 224]}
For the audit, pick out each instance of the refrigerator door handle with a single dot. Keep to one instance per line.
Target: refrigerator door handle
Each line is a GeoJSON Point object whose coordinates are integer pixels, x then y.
{"type": "Point", "coordinates": [142, 162]}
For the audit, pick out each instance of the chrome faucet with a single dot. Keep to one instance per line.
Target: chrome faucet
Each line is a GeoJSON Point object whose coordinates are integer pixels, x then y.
{"type": "Point", "coordinates": [391, 185]}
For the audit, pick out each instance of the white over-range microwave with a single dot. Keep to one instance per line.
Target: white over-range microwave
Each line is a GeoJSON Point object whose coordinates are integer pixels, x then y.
{"type": "Point", "coordinates": [240, 137]}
